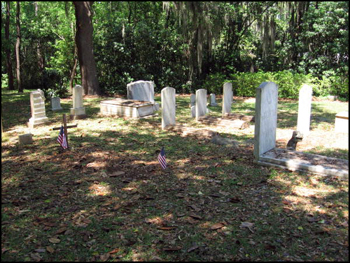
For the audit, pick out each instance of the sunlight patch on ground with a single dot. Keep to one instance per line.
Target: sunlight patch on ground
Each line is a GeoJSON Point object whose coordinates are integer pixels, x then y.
{"type": "Point", "coordinates": [99, 190]}
{"type": "Point", "coordinates": [308, 192]}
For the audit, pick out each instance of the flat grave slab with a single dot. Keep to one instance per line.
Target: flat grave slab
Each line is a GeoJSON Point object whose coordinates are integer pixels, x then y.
{"type": "Point", "coordinates": [128, 108]}
{"type": "Point", "coordinates": [300, 161]}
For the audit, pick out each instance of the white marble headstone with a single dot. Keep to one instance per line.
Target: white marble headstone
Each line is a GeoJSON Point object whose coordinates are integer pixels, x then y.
{"type": "Point", "coordinates": [141, 90]}
{"type": "Point", "coordinates": [265, 118]}
{"type": "Point", "coordinates": [227, 98]}
{"type": "Point", "coordinates": [168, 106]}
{"type": "Point", "coordinates": [201, 103]}
{"type": "Point", "coordinates": [78, 111]}
{"type": "Point", "coordinates": [213, 100]}
{"type": "Point", "coordinates": [55, 104]}
{"type": "Point", "coordinates": [37, 103]}
{"type": "Point", "coordinates": [304, 110]}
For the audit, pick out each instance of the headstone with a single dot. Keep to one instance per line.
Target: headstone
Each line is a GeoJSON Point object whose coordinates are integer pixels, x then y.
{"type": "Point", "coordinates": [193, 111]}
{"type": "Point", "coordinates": [304, 111]}
{"type": "Point", "coordinates": [265, 118]}
{"type": "Point", "coordinates": [168, 106]}
{"type": "Point", "coordinates": [227, 98]}
{"type": "Point", "coordinates": [37, 103]}
{"type": "Point", "coordinates": [201, 103]}
{"type": "Point", "coordinates": [342, 122]}
{"type": "Point", "coordinates": [212, 100]}
{"type": "Point", "coordinates": [55, 104]}
{"type": "Point", "coordinates": [78, 111]}
{"type": "Point", "coordinates": [141, 90]}
{"type": "Point", "coordinates": [25, 139]}
{"type": "Point", "coordinates": [193, 100]}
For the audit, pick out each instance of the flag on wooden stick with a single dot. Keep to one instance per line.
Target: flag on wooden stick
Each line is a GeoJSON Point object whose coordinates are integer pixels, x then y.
{"type": "Point", "coordinates": [161, 158]}
{"type": "Point", "coordinates": [62, 139]}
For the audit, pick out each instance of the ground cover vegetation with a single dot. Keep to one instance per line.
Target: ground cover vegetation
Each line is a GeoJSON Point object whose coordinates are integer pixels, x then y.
{"type": "Point", "coordinates": [108, 199]}
{"type": "Point", "coordinates": [185, 45]}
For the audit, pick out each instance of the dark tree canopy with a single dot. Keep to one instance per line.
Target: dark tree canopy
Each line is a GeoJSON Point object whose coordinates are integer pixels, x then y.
{"type": "Point", "coordinates": [186, 45]}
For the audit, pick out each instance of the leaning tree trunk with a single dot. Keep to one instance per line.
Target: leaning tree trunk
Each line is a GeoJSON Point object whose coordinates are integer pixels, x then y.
{"type": "Point", "coordinates": [8, 50]}
{"type": "Point", "coordinates": [18, 48]}
{"type": "Point", "coordinates": [83, 41]}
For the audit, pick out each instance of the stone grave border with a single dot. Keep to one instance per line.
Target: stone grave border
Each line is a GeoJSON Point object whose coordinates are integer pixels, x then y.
{"type": "Point", "coordinates": [261, 158]}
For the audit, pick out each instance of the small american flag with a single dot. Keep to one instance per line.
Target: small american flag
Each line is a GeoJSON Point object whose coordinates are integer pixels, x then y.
{"type": "Point", "coordinates": [62, 139]}
{"type": "Point", "coordinates": [161, 158]}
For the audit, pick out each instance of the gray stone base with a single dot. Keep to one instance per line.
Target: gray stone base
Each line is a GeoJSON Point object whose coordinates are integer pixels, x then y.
{"type": "Point", "coordinates": [304, 166]}
{"type": "Point", "coordinates": [34, 122]}
{"type": "Point", "coordinates": [128, 108]}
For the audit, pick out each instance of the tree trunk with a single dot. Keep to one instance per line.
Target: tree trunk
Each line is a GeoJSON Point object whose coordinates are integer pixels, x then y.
{"type": "Point", "coordinates": [72, 75]}
{"type": "Point", "coordinates": [8, 50]}
{"type": "Point", "coordinates": [18, 47]}
{"type": "Point", "coordinates": [83, 41]}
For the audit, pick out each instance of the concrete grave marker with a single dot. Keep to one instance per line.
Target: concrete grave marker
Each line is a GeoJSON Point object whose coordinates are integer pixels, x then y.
{"type": "Point", "coordinates": [227, 98]}
{"type": "Point", "coordinates": [213, 100]}
{"type": "Point", "coordinates": [168, 106]}
{"type": "Point", "coordinates": [265, 118]}
{"type": "Point", "coordinates": [78, 111]}
{"type": "Point", "coordinates": [304, 110]}
{"type": "Point", "coordinates": [37, 103]}
{"type": "Point", "coordinates": [201, 103]}
{"type": "Point", "coordinates": [55, 104]}
{"type": "Point", "coordinates": [25, 139]}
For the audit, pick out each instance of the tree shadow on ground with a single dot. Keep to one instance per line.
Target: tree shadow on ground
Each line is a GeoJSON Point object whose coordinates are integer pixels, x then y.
{"type": "Point", "coordinates": [109, 192]}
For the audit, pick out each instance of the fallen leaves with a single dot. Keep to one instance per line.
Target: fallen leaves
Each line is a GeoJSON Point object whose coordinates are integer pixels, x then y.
{"type": "Point", "coordinates": [54, 240]}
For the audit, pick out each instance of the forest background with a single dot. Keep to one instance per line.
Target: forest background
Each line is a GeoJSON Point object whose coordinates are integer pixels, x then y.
{"type": "Point", "coordinates": [185, 45]}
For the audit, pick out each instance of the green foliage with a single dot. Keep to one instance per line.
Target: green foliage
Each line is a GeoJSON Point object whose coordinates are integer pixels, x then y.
{"type": "Point", "coordinates": [189, 45]}
{"type": "Point", "coordinates": [289, 83]}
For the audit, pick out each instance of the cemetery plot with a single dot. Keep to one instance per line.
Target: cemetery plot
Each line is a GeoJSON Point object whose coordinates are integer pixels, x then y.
{"type": "Point", "coordinates": [127, 108]}
{"type": "Point", "coordinates": [107, 196]}
{"type": "Point", "coordinates": [265, 136]}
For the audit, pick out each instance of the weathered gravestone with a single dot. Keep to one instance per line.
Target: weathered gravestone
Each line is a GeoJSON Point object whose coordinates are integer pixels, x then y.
{"type": "Point", "coordinates": [37, 103]}
{"type": "Point", "coordinates": [168, 106]}
{"type": "Point", "coordinates": [213, 100]}
{"type": "Point", "coordinates": [227, 98]}
{"type": "Point", "coordinates": [304, 111]}
{"type": "Point", "coordinates": [201, 103]}
{"type": "Point", "coordinates": [25, 139]}
{"type": "Point", "coordinates": [78, 111]}
{"type": "Point", "coordinates": [55, 104]}
{"type": "Point", "coordinates": [193, 111]}
{"type": "Point", "coordinates": [141, 90]}
{"type": "Point", "coordinates": [193, 100]}
{"type": "Point", "coordinates": [265, 118]}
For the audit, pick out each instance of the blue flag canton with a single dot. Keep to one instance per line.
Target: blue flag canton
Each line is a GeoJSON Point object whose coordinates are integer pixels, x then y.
{"type": "Point", "coordinates": [161, 158]}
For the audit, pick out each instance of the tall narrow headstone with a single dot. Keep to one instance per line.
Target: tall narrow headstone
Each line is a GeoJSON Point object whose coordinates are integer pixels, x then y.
{"type": "Point", "coordinates": [304, 110]}
{"type": "Point", "coordinates": [193, 100]}
{"type": "Point", "coordinates": [265, 118]}
{"type": "Point", "coordinates": [168, 106]}
{"type": "Point", "coordinates": [37, 105]}
{"type": "Point", "coordinates": [213, 100]}
{"type": "Point", "coordinates": [227, 98]}
{"type": "Point", "coordinates": [55, 104]}
{"type": "Point", "coordinates": [78, 111]}
{"type": "Point", "coordinates": [201, 103]}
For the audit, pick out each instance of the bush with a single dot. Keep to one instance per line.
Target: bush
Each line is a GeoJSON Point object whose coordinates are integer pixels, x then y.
{"type": "Point", "coordinates": [245, 83]}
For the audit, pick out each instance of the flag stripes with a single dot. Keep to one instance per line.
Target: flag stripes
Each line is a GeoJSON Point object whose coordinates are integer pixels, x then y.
{"type": "Point", "coordinates": [62, 139]}
{"type": "Point", "coordinates": [161, 158]}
